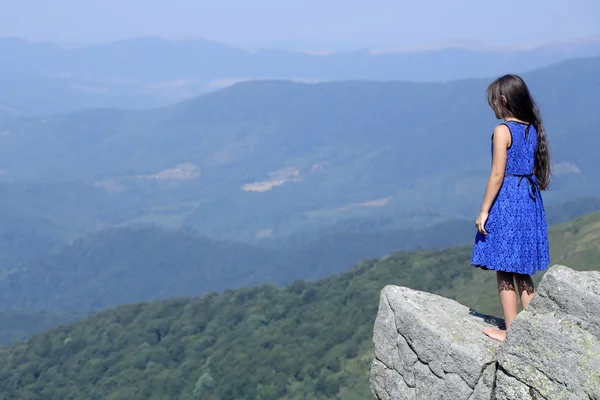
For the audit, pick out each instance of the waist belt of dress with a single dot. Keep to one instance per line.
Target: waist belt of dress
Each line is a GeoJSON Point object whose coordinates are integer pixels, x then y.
{"type": "Point", "coordinates": [532, 183]}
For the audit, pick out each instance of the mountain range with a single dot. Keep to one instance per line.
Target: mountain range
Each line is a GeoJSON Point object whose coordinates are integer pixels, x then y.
{"type": "Point", "coordinates": [261, 182]}
{"type": "Point", "coordinates": [150, 71]}
{"type": "Point", "coordinates": [270, 159]}
{"type": "Point", "coordinates": [203, 249]}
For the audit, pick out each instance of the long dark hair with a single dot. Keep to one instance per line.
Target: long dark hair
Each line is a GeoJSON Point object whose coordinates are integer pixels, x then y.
{"type": "Point", "coordinates": [509, 97]}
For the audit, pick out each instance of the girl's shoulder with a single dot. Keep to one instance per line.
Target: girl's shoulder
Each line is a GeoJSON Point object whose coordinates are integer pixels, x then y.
{"type": "Point", "coordinates": [502, 133]}
{"type": "Point", "coordinates": [501, 129]}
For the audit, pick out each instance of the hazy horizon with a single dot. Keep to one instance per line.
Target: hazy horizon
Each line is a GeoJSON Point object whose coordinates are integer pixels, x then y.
{"type": "Point", "coordinates": [307, 24]}
{"type": "Point", "coordinates": [326, 47]}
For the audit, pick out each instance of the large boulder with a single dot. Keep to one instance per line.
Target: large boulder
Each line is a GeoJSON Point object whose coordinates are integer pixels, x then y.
{"type": "Point", "coordinates": [554, 346]}
{"type": "Point", "coordinates": [430, 347]}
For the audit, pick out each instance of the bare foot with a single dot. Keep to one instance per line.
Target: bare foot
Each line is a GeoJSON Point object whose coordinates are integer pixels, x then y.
{"type": "Point", "coordinates": [497, 334]}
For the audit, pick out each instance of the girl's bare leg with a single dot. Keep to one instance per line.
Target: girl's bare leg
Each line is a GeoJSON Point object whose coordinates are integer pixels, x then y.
{"type": "Point", "coordinates": [526, 289]}
{"type": "Point", "coordinates": [508, 301]}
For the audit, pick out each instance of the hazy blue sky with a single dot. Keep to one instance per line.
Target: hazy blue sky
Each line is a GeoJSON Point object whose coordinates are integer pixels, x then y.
{"type": "Point", "coordinates": [404, 23]}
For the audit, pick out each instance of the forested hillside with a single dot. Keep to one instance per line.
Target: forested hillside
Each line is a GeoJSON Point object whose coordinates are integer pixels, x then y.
{"type": "Point", "coordinates": [125, 265]}
{"type": "Point", "coordinates": [306, 340]}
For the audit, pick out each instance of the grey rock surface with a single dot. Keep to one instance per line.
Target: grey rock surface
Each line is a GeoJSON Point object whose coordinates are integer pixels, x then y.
{"type": "Point", "coordinates": [510, 388]}
{"type": "Point", "coordinates": [553, 346]}
{"type": "Point", "coordinates": [429, 347]}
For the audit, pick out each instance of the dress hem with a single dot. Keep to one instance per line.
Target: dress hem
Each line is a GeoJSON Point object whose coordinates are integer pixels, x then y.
{"type": "Point", "coordinates": [510, 270]}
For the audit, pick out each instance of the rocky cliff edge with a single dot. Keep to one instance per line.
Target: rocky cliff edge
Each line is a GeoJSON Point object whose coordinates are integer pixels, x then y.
{"type": "Point", "coordinates": [430, 347]}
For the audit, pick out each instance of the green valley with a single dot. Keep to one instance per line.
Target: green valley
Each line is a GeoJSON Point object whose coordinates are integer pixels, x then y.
{"type": "Point", "coordinates": [147, 262]}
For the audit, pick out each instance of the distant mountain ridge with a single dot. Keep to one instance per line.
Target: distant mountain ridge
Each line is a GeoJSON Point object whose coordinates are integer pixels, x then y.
{"type": "Point", "coordinates": [269, 159]}
{"type": "Point", "coordinates": [126, 74]}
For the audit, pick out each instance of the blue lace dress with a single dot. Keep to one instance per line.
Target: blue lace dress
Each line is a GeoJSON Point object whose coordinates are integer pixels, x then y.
{"type": "Point", "coordinates": [517, 239]}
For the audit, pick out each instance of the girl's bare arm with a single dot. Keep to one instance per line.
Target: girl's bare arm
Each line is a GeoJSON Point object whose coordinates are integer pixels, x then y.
{"type": "Point", "coordinates": [502, 141]}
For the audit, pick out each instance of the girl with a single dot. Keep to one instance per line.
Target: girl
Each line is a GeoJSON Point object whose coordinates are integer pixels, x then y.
{"type": "Point", "coordinates": [512, 235]}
